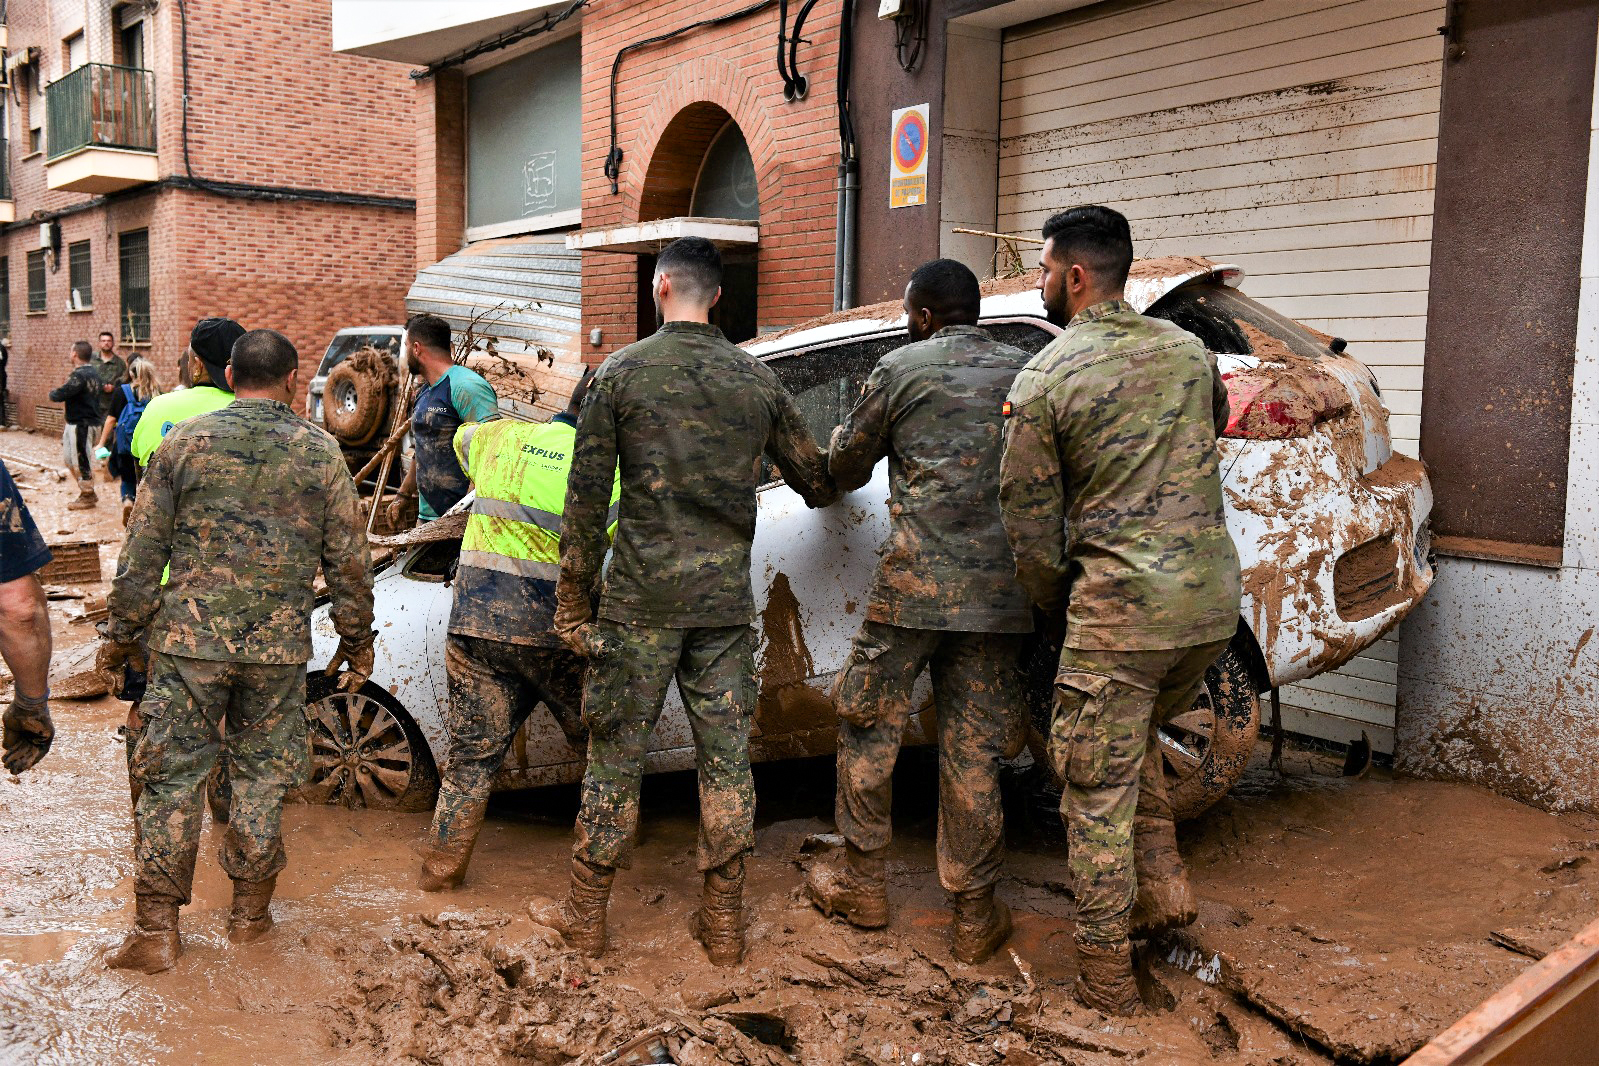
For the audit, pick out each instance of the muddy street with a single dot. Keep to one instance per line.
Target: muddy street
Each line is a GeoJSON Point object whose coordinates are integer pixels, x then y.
{"type": "Point", "coordinates": [1342, 919]}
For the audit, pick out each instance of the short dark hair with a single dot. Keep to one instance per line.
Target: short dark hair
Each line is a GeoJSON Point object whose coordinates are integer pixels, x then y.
{"type": "Point", "coordinates": [1098, 238]}
{"type": "Point", "coordinates": [108, 333]}
{"type": "Point", "coordinates": [83, 350]}
{"type": "Point", "coordinates": [947, 288]}
{"type": "Point", "coordinates": [695, 266]}
{"type": "Point", "coordinates": [431, 331]}
{"type": "Point", "coordinates": [262, 357]}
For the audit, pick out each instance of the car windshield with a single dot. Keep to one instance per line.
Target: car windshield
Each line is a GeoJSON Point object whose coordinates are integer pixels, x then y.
{"type": "Point", "coordinates": [1218, 315]}
{"type": "Point", "coordinates": [346, 345]}
{"type": "Point", "coordinates": [827, 382]}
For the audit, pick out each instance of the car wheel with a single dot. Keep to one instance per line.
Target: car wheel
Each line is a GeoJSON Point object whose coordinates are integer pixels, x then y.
{"type": "Point", "coordinates": [353, 404]}
{"type": "Point", "coordinates": [365, 751]}
{"type": "Point", "coordinates": [1206, 749]}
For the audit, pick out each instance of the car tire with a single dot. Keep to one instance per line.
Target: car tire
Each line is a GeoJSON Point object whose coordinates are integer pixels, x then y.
{"type": "Point", "coordinates": [1204, 750]}
{"type": "Point", "coordinates": [353, 404]}
{"type": "Point", "coordinates": [393, 770]}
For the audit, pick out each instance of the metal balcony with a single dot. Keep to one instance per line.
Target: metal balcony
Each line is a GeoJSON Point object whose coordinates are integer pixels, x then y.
{"type": "Point", "coordinates": [8, 207]}
{"type": "Point", "coordinates": [100, 129]}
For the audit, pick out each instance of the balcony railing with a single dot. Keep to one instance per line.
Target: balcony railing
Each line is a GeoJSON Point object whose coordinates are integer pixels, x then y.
{"type": "Point", "coordinates": [100, 106]}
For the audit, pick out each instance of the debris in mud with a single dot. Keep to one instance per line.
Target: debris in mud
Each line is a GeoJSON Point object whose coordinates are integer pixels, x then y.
{"type": "Point", "coordinates": [466, 989]}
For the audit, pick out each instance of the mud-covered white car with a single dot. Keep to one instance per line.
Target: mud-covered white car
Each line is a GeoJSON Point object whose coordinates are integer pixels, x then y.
{"type": "Point", "coordinates": [1330, 527]}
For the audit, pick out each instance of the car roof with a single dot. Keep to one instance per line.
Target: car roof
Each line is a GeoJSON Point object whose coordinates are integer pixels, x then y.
{"type": "Point", "coordinates": [396, 330]}
{"type": "Point", "coordinates": [1147, 282]}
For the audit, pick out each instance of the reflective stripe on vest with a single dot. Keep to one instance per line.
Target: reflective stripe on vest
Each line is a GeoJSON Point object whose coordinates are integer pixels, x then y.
{"type": "Point", "coordinates": [503, 564]}
{"type": "Point", "coordinates": [518, 471]}
{"type": "Point", "coordinates": [518, 512]}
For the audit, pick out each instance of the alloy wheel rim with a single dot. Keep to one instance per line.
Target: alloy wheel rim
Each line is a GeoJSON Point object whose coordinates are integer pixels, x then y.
{"type": "Point", "coordinates": [360, 755]}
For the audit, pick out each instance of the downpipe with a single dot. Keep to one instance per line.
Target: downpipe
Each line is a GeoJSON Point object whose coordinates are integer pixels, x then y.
{"type": "Point", "coordinates": [849, 184]}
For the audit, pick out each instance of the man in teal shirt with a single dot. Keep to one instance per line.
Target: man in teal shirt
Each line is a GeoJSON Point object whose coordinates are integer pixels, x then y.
{"type": "Point", "coordinates": [452, 397]}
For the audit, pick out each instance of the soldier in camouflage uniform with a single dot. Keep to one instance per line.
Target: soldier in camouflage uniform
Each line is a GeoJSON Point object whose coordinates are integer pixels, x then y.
{"type": "Point", "coordinates": [244, 503]}
{"type": "Point", "coordinates": [945, 599]}
{"type": "Point", "coordinates": [1112, 501]}
{"type": "Point", "coordinates": [687, 417]}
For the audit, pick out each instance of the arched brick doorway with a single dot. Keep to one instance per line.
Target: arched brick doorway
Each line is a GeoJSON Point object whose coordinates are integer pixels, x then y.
{"type": "Point", "coordinates": [702, 166]}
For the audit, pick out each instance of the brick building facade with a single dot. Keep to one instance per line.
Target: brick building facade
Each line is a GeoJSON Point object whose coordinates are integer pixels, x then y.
{"type": "Point", "coordinates": [282, 199]}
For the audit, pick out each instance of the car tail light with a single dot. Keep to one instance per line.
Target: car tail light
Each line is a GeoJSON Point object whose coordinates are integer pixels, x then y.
{"type": "Point", "coordinates": [1273, 402]}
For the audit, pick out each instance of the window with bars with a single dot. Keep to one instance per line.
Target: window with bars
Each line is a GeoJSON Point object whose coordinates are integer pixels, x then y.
{"type": "Point", "coordinates": [133, 254]}
{"type": "Point", "coordinates": [36, 275]}
{"type": "Point", "coordinates": [5, 297]}
{"type": "Point", "coordinates": [80, 277]}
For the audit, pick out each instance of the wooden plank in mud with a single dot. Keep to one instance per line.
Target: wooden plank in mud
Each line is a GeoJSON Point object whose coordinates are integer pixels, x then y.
{"type": "Point", "coordinates": [1550, 1014]}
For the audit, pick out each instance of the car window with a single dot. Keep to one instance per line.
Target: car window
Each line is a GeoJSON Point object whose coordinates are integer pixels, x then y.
{"type": "Point", "coordinates": [1217, 315]}
{"type": "Point", "coordinates": [434, 562]}
{"type": "Point", "coordinates": [826, 382]}
{"type": "Point", "coordinates": [347, 345]}
{"type": "Point", "coordinates": [1027, 336]}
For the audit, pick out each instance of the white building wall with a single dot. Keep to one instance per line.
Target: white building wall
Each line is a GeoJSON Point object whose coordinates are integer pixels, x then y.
{"type": "Point", "coordinates": [1499, 668]}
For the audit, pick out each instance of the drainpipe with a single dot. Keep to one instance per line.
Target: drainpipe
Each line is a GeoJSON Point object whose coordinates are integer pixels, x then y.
{"type": "Point", "coordinates": [849, 185]}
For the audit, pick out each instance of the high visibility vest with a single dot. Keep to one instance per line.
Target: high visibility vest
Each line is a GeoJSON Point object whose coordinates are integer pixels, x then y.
{"type": "Point", "coordinates": [518, 471]}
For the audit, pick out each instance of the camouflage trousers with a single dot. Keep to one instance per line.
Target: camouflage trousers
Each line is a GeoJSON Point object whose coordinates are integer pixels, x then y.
{"type": "Point", "coordinates": [1108, 704]}
{"type": "Point", "coordinates": [494, 687]}
{"type": "Point", "coordinates": [977, 695]}
{"type": "Point", "coordinates": [627, 682]}
{"type": "Point", "coordinates": [195, 712]}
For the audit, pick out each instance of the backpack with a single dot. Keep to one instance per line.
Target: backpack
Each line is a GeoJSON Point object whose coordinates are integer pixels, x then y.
{"type": "Point", "coordinates": [128, 419]}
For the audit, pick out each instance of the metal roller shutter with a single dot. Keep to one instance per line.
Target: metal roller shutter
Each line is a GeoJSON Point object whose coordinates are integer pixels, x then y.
{"type": "Point", "coordinates": [1295, 138]}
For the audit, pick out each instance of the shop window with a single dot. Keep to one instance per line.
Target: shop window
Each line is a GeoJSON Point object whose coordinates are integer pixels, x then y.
{"type": "Point", "coordinates": [726, 186]}
{"type": "Point", "coordinates": [133, 259]}
{"type": "Point", "coordinates": [80, 277]}
{"type": "Point", "coordinates": [37, 304]}
{"type": "Point", "coordinates": [523, 122]}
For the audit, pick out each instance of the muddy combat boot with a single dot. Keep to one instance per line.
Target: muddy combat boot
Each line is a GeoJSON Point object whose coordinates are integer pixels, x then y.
{"type": "Point", "coordinates": [127, 510]}
{"type": "Point", "coordinates": [1105, 979]}
{"type": "Point", "coordinates": [982, 924]}
{"type": "Point", "coordinates": [86, 500]}
{"type": "Point", "coordinates": [444, 868]}
{"type": "Point", "coordinates": [153, 945]}
{"type": "Point", "coordinates": [1165, 899]}
{"type": "Point", "coordinates": [719, 923]}
{"type": "Point", "coordinates": [580, 918]}
{"type": "Point", "coordinates": [250, 917]}
{"type": "Point", "coordinates": [858, 893]}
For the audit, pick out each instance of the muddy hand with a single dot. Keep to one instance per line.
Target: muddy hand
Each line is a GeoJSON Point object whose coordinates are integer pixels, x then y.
{"type": "Point", "coordinates": [28, 732]}
{"type": "Point", "coordinates": [112, 656]}
{"type": "Point", "coordinates": [358, 658]}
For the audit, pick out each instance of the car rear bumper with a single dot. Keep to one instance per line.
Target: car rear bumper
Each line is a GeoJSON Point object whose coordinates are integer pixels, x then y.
{"type": "Point", "coordinates": [1330, 561]}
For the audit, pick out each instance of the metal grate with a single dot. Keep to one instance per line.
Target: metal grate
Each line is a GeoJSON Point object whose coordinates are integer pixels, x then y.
{"type": "Point", "coordinates": [49, 416]}
{"type": "Point", "coordinates": [133, 258]}
{"type": "Point", "coordinates": [37, 302]}
{"type": "Point", "coordinates": [80, 276]}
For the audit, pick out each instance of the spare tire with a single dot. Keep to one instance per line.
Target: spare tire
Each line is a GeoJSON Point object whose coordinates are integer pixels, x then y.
{"type": "Point", "coordinates": [354, 403]}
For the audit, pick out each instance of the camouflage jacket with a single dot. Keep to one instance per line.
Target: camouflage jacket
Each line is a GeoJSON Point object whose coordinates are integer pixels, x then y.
{"type": "Point", "coordinates": [245, 503]}
{"type": "Point", "coordinates": [934, 409]}
{"type": "Point", "coordinates": [1110, 486]}
{"type": "Point", "coordinates": [686, 416]}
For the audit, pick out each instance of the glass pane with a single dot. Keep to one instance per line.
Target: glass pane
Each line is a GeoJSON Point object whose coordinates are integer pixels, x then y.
{"type": "Point", "coordinates": [36, 295]}
{"type": "Point", "coordinates": [1217, 315]}
{"type": "Point", "coordinates": [523, 124]}
{"type": "Point", "coordinates": [80, 276]}
{"type": "Point", "coordinates": [133, 261]}
{"type": "Point", "coordinates": [726, 187]}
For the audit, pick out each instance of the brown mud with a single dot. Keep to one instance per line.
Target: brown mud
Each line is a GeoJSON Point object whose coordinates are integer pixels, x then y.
{"type": "Point", "coordinates": [1357, 915]}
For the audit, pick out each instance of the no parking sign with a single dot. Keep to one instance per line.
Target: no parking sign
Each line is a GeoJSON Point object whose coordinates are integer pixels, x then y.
{"type": "Point", "coordinates": [907, 168]}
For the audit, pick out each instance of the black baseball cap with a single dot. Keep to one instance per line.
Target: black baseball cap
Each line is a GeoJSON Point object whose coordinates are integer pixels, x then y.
{"type": "Point", "coordinates": [211, 341]}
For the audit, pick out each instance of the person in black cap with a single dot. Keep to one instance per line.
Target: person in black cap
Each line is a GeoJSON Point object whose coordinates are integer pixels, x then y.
{"type": "Point", "coordinates": [203, 371]}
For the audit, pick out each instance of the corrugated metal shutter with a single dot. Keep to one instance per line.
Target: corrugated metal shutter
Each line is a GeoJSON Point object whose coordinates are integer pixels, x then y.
{"type": "Point", "coordinates": [1296, 138]}
{"type": "Point", "coordinates": [522, 292]}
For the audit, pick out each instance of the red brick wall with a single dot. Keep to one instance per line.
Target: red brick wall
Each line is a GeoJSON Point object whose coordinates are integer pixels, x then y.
{"type": "Point", "coordinates": [734, 67]}
{"type": "Point", "coordinates": [270, 104]}
{"type": "Point", "coordinates": [440, 166]}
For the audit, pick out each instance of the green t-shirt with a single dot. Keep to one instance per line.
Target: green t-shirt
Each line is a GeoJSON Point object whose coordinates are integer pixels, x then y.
{"type": "Point", "coordinates": [166, 411]}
